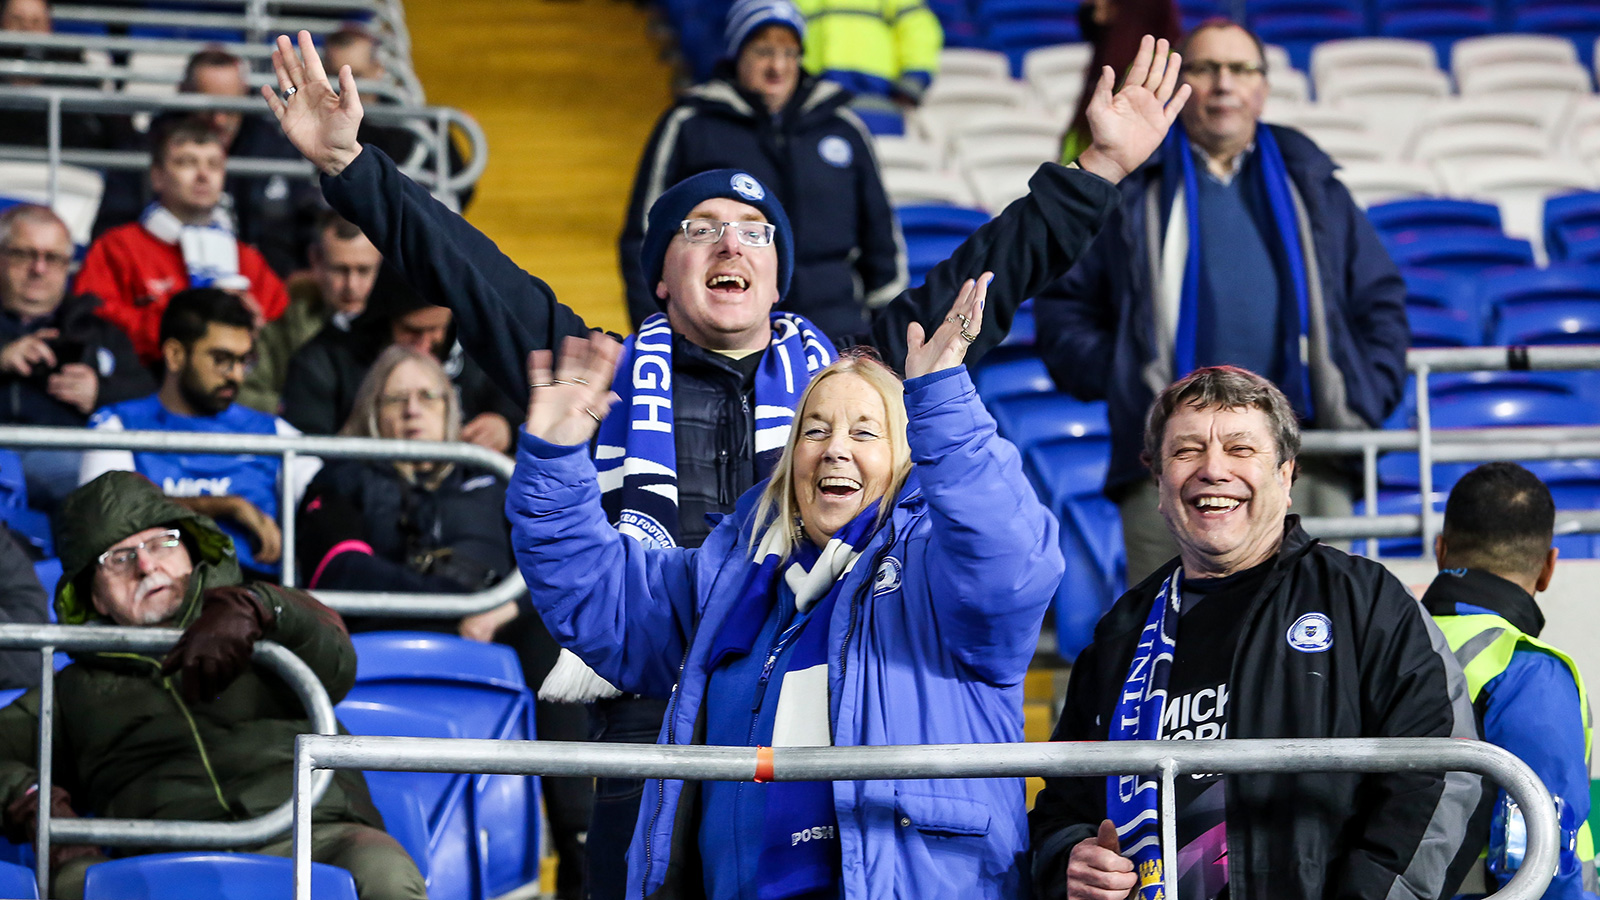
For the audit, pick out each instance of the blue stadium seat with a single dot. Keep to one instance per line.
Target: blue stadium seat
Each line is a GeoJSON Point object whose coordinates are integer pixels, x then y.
{"type": "Point", "coordinates": [1469, 254]}
{"type": "Point", "coordinates": [991, 12]}
{"type": "Point", "coordinates": [1299, 32]}
{"type": "Point", "coordinates": [885, 122]}
{"type": "Point", "coordinates": [1568, 217]}
{"type": "Point", "coordinates": [932, 219]}
{"type": "Point", "coordinates": [1069, 475]}
{"type": "Point", "coordinates": [1434, 327]}
{"type": "Point", "coordinates": [1550, 322]}
{"type": "Point", "coordinates": [479, 688]}
{"type": "Point", "coordinates": [28, 524]}
{"type": "Point", "coordinates": [1023, 327]}
{"type": "Point", "coordinates": [1027, 419]}
{"type": "Point", "coordinates": [1442, 291]}
{"type": "Point", "coordinates": [1193, 12]}
{"type": "Point", "coordinates": [1434, 214]}
{"type": "Point", "coordinates": [1015, 37]}
{"type": "Point", "coordinates": [1502, 290]}
{"type": "Point", "coordinates": [1581, 245]}
{"type": "Point", "coordinates": [48, 571]}
{"type": "Point", "coordinates": [1578, 20]}
{"type": "Point", "coordinates": [1392, 503]}
{"type": "Point", "coordinates": [17, 882]}
{"type": "Point", "coordinates": [210, 876]}
{"type": "Point", "coordinates": [924, 251]}
{"type": "Point", "coordinates": [1442, 28]}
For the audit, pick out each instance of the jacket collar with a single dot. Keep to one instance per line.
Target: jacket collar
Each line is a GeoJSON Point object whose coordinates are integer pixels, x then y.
{"type": "Point", "coordinates": [810, 95]}
{"type": "Point", "coordinates": [1452, 588]}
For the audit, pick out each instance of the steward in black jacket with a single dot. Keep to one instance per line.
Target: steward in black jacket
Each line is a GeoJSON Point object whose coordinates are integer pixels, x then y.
{"type": "Point", "coordinates": [817, 156]}
{"type": "Point", "coordinates": [1387, 673]}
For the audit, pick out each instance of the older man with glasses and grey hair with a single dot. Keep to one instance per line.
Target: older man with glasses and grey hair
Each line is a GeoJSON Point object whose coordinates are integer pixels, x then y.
{"type": "Point", "coordinates": [1256, 630]}
{"type": "Point", "coordinates": [58, 360]}
{"type": "Point", "coordinates": [1234, 245]}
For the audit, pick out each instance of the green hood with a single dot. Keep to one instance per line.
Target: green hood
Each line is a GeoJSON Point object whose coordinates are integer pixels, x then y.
{"type": "Point", "coordinates": [108, 509]}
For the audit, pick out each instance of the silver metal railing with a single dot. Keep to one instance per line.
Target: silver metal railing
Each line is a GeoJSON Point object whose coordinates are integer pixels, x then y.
{"type": "Point", "coordinates": [56, 100]}
{"type": "Point", "coordinates": [314, 753]}
{"type": "Point", "coordinates": [445, 606]}
{"type": "Point", "coordinates": [254, 21]}
{"type": "Point", "coordinates": [90, 74]}
{"type": "Point", "coordinates": [1456, 445]}
{"type": "Point", "coordinates": [47, 639]}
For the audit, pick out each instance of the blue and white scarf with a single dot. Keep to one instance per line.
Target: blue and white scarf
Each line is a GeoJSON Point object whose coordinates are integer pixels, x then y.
{"type": "Point", "coordinates": [636, 454]}
{"type": "Point", "coordinates": [210, 251]}
{"type": "Point", "coordinates": [790, 867]}
{"type": "Point", "coordinates": [1182, 241]}
{"type": "Point", "coordinates": [1131, 800]}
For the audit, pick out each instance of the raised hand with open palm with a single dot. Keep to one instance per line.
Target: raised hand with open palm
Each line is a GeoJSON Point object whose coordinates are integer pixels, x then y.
{"type": "Point", "coordinates": [320, 122]}
{"type": "Point", "coordinates": [1128, 125]}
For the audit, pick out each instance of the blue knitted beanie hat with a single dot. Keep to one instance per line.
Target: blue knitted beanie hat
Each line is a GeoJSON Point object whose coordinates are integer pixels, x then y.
{"type": "Point", "coordinates": [672, 207]}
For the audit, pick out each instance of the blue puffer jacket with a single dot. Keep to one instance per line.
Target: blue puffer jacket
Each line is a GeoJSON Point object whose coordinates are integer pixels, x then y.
{"type": "Point", "coordinates": [1097, 325]}
{"type": "Point", "coordinates": [912, 664]}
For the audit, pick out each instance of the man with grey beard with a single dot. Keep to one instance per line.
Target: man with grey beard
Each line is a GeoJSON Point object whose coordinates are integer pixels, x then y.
{"type": "Point", "coordinates": [199, 734]}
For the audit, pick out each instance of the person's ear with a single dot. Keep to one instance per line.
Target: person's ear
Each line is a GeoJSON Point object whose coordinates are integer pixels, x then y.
{"type": "Point", "coordinates": [661, 290]}
{"type": "Point", "coordinates": [1440, 551]}
{"type": "Point", "coordinates": [174, 354]}
{"type": "Point", "coordinates": [1542, 583]}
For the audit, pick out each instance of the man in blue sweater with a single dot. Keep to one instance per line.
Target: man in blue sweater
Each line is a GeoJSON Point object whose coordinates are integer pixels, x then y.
{"type": "Point", "coordinates": [1494, 555]}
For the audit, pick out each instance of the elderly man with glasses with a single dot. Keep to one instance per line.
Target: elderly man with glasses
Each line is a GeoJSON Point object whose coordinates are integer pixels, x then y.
{"type": "Point", "coordinates": [200, 734]}
{"type": "Point", "coordinates": [1234, 245]}
{"type": "Point", "coordinates": [58, 360]}
{"type": "Point", "coordinates": [207, 347]}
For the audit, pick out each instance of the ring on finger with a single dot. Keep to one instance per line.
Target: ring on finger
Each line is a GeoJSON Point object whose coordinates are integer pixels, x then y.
{"type": "Point", "coordinates": [570, 381]}
{"type": "Point", "coordinates": [592, 415]}
{"type": "Point", "coordinates": [966, 323]}
{"type": "Point", "coordinates": [540, 384]}
{"type": "Point", "coordinates": [968, 336]}
{"type": "Point", "coordinates": [290, 91]}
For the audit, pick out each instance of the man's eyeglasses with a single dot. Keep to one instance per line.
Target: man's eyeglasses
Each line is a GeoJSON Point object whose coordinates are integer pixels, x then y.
{"type": "Point", "coordinates": [767, 54]}
{"type": "Point", "coordinates": [22, 256]}
{"type": "Point", "coordinates": [227, 362]}
{"type": "Point", "coordinates": [423, 398]}
{"type": "Point", "coordinates": [1210, 69]}
{"type": "Point", "coordinates": [123, 560]}
{"type": "Point", "coordinates": [709, 231]}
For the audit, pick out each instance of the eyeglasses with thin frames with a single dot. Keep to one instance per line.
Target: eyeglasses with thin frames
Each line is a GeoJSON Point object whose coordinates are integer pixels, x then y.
{"type": "Point", "coordinates": [709, 231]}
{"type": "Point", "coordinates": [1210, 69]}
{"type": "Point", "coordinates": [123, 560]}
{"type": "Point", "coordinates": [20, 256]}
{"type": "Point", "coordinates": [425, 397]}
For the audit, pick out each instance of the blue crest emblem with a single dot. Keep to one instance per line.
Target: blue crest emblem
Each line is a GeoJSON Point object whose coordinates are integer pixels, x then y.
{"type": "Point", "coordinates": [1311, 633]}
{"type": "Point", "coordinates": [887, 578]}
{"type": "Point", "coordinates": [747, 187]}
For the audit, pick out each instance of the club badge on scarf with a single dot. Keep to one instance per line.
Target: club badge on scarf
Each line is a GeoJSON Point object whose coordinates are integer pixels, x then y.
{"type": "Point", "coordinates": [636, 455]}
{"type": "Point", "coordinates": [1131, 800]}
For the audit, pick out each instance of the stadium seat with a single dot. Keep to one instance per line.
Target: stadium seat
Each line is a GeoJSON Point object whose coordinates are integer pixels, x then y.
{"type": "Point", "coordinates": [1578, 20]}
{"type": "Point", "coordinates": [1504, 290]}
{"type": "Point", "coordinates": [907, 153]}
{"type": "Point", "coordinates": [1015, 37]}
{"type": "Point", "coordinates": [1570, 216]}
{"type": "Point", "coordinates": [956, 220]}
{"type": "Point", "coordinates": [1023, 329]}
{"type": "Point", "coordinates": [1496, 49]}
{"type": "Point", "coordinates": [1359, 53]}
{"type": "Point", "coordinates": [1069, 474]}
{"type": "Point", "coordinates": [879, 121]}
{"type": "Point", "coordinates": [910, 188]}
{"type": "Point", "coordinates": [1460, 254]}
{"type": "Point", "coordinates": [1442, 28]}
{"type": "Point", "coordinates": [1519, 187]}
{"type": "Point", "coordinates": [1193, 12]}
{"type": "Point", "coordinates": [924, 251]}
{"type": "Point", "coordinates": [1391, 503]}
{"type": "Point", "coordinates": [1489, 110]}
{"type": "Point", "coordinates": [1434, 214]}
{"type": "Point", "coordinates": [1059, 62]}
{"type": "Point", "coordinates": [1298, 32]}
{"type": "Point", "coordinates": [210, 876]}
{"type": "Point", "coordinates": [1383, 84]}
{"type": "Point", "coordinates": [1434, 327]}
{"type": "Point", "coordinates": [1442, 291]}
{"type": "Point", "coordinates": [974, 62]}
{"type": "Point", "coordinates": [391, 655]}
{"type": "Point", "coordinates": [997, 185]}
{"type": "Point", "coordinates": [1026, 419]}
{"type": "Point", "coordinates": [1552, 83]}
{"type": "Point", "coordinates": [1551, 322]}
{"type": "Point", "coordinates": [1321, 121]}
{"type": "Point", "coordinates": [78, 192]}
{"type": "Point", "coordinates": [17, 882]}
{"type": "Point", "coordinates": [1470, 143]}
{"type": "Point", "coordinates": [1010, 377]}
{"type": "Point", "coordinates": [983, 151]}
{"type": "Point", "coordinates": [1371, 183]}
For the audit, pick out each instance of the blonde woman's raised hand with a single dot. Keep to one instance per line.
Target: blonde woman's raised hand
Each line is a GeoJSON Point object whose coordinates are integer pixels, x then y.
{"type": "Point", "coordinates": [567, 400]}
{"type": "Point", "coordinates": [948, 346]}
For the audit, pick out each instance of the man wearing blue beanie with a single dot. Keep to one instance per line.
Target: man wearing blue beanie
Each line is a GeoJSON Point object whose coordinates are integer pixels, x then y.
{"type": "Point", "coordinates": [708, 386]}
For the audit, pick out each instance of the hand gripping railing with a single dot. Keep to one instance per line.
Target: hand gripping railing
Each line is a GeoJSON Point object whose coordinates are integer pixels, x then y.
{"type": "Point", "coordinates": [313, 753]}
{"type": "Point", "coordinates": [47, 639]}
{"type": "Point", "coordinates": [441, 606]}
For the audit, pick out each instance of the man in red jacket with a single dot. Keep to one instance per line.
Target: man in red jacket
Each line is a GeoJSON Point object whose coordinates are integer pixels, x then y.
{"type": "Point", "coordinates": [185, 239]}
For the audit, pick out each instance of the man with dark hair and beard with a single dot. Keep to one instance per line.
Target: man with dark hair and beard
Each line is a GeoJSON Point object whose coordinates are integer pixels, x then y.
{"type": "Point", "coordinates": [207, 347]}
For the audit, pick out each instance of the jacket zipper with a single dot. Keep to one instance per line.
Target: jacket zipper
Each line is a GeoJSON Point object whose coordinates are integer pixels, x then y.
{"type": "Point", "coordinates": [194, 731]}
{"type": "Point", "coordinates": [661, 783]}
{"type": "Point", "coordinates": [855, 600]}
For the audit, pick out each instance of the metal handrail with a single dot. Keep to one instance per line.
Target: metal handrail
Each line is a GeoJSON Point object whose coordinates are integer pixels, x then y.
{"type": "Point", "coordinates": [444, 606]}
{"type": "Point", "coordinates": [87, 72]}
{"type": "Point", "coordinates": [47, 639]}
{"type": "Point", "coordinates": [58, 99]}
{"type": "Point", "coordinates": [1170, 758]}
{"type": "Point", "coordinates": [244, 21]}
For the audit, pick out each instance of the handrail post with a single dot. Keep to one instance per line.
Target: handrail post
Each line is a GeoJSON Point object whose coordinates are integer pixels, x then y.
{"type": "Point", "coordinates": [53, 150]}
{"type": "Point", "coordinates": [1369, 491]}
{"type": "Point", "coordinates": [1425, 459]}
{"type": "Point", "coordinates": [441, 160]}
{"type": "Point", "coordinates": [46, 767]}
{"type": "Point", "coordinates": [1169, 827]}
{"type": "Point", "coordinates": [300, 847]}
{"type": "Point", "coordinates": [286, 513]}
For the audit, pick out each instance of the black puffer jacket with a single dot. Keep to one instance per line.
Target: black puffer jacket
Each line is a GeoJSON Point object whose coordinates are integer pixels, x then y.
{"type": "Point", "coordinates": [1387, 673]}
{"type": "Point", "coordinates": [816, 155]}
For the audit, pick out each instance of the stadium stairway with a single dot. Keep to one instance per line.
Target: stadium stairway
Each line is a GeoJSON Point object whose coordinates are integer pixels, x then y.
{"type": "Point", "coordinates": [567, 91]}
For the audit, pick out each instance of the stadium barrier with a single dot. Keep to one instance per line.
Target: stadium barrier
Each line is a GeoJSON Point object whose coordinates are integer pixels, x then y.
{"type": "Point", "coordinates": [56, 100]}
{"type": "Point", "coordinates": [315, 753]}
{"type": "Point", "coordinates": [1457, 445]}
{"type": "Point", "coordinates": [441, 606]}
{"type": "Point", "coordinates": [47, 639]}
{"type": "Point", "coordinates": [252, 18]}
{"type": "Point", "coordinates": [402, 78]}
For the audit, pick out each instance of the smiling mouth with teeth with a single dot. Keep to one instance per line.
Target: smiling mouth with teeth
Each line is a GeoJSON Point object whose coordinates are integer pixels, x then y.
{"type": "Point", "coordinates": [728, 281]}
{"type": "Point", "coordinates": [838, 487]}
{"type": "Point", "coordinates": [1217, 504]}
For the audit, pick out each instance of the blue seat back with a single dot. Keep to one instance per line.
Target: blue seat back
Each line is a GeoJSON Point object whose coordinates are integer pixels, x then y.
{"type": "Point", "coordinates": [1434, 327]}
{"type": "Point", "coordinates": [1567, 214]}
{"type": "Point", "coordinates": [386, 655]}
{"type": "Point", "coordinates": [1434, 214]}
{"type": "Point", "coordinates": [16, 882]}
{"type": "Point", "coordinates": [1010, 377]}
{"type": "Point", "coordinates": [1467, 253]}
{"type": "Point", "coordinates": [210, 876]}
{"type": "Point", "coordinates": [926, 219]}
{"type": "Point", "coordinates": [1069, 474]}
{"type": "Point", "coordinates": [1029, 418]}
{"type": "Point", "coordinates": [1551, 322]}
{"type": "Point", "coordinates": [1502, 290]}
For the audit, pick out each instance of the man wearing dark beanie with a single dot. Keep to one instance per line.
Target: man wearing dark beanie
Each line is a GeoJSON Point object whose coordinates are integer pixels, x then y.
{"type": "Point", "coordinates": [709, 385]}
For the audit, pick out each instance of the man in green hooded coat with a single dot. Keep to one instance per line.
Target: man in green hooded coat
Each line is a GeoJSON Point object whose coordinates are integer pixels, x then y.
{"type": "Point", "coordinates": [199, 735]}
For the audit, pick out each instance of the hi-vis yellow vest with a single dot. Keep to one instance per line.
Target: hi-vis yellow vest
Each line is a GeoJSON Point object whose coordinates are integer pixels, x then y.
{"type": "Point", "coordinates": [1483, 645]}
{"type": "Point", "coordinates": [881, 38]}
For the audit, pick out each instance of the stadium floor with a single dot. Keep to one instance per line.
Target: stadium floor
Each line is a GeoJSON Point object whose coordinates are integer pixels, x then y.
{"type": "Point", "coordinates": [567, 91]}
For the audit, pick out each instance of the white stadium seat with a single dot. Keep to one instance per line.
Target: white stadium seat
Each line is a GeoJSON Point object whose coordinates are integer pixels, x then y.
{"type": "Point", "coordinates": [1519, 187]}
{"type": "Point", "coordinates": [908, 187]}
{"type": "Point", "coordinates": [972, 62]}
{"type": "Point", "coordinates": [1057, 61]}
{"type": "Point", "coordinates": [907, 153]}
{"type": "Point", "coordinates": [1462, 143]}
{"type": "Point", "coordinates": [1355, 54]}
{"type": "Point", "coordinates": [996, 186]}
{"type": "Point", "coordinates": [1373, 183]}
{"type": "Point", "coordinates": [1472, 53]}
{"type": "Point", "coordinates": [78, 192]}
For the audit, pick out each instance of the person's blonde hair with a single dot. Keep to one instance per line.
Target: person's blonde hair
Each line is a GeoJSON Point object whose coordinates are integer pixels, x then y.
{"type": "Point", "coordinates": [363, 420]}
{"type": "Point", "coordinates": [778, 511]}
